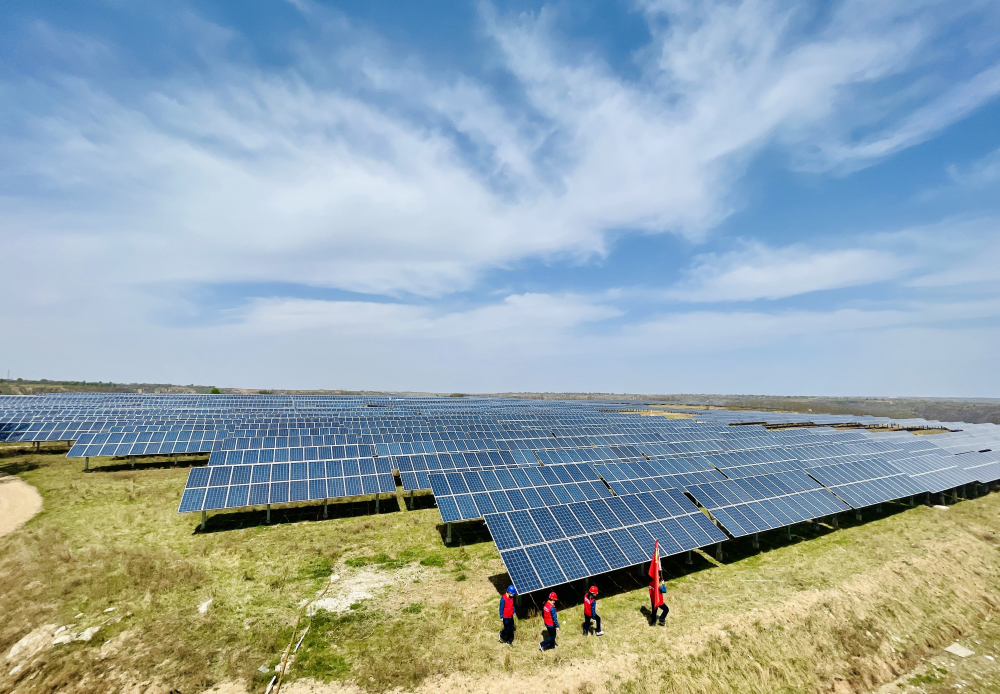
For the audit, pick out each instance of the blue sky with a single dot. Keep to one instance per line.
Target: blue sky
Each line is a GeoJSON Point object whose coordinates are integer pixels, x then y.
{"type": "Point", "coordinates": [734, 197]}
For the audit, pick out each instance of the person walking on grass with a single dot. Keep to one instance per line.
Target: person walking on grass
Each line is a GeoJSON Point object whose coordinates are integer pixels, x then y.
{"type": "Point", "coordinates": [507, 612]}
{"type": "Point", "coordinates": [551, 623]}
{"type": "Point", "coordinates": [657, 589]}
{"type": "Point", "coordinates": [657, 602]}
{"type": "Point", "coordinates": [590, 612]}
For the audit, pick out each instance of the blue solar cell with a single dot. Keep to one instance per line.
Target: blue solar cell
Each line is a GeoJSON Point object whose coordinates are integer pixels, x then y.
{"type": "Point", "coordinates": [548, 497]}
{"type": "Point", "coordinates": [546, 524]}
{"type": "Point", "coordinates": [501, 530]}
{"type": "Point", "coordinates": [192, 500]}
{"type": "Point", "coordinates": [609, 550]}
{"type": "Point", "coordinates": [352, 486]}
{"type": "Point", "coordinates": [449, 510]}
{"type": "Point", "coordinates": [298, 491]}
{"type": "Point", "coordinates": [517, 499]}
{"type": "Point", "coordinates": [545, 565]}
{"type": "Point", "coordinates": [369, 483]}
{"type": "Point", "coordinates": [603, 513]}
{"type": "Point", "coordinates": [590, 555]}
{"type": "Point", "coordinates": [522, 575]}
{"type": "Point", "coordinates": [317, 489]}
{"type": "Point", "coordinates": [279, 492]}
{"type": "Point", "coordinates": [567, 521]}
{"type": "Point", "coordinates": [466, 506]}
{"type": "Point", "coordinates": [531, 496]}
{"type": "Point", "coordinates": [238, 496]}
{"type": "Point", "coordinates": [501, 502]}
{"type": "Point", "coordinates": [220, 476]}
{"type": "Point", "coordinates": [638, 509]}
{"type": "Point", "coordinates": [668, 545]}
{"type": "Point", "coordinates": [258, 495]}
{"type": "Point", "coordinates": [568, 560]}
{"type": "Point", "coordinates": [439, 484]}
{"type": "Point", "coordinates": [216, 498]}
{"type": "Point", "coordinates": [335, 487]}
{"type": "Point", "coordinates": [525, 528]}
{"type": "Point", "coordinates": [473, 482]}
{"type": "Point", "coordinates": [198, 477]}
{"type": "Point", "coordinates": [300, 471]}
{"type": "Point", "coordinates": [642, 538]}
{"type": "Point", "coordinates": [627, 544]}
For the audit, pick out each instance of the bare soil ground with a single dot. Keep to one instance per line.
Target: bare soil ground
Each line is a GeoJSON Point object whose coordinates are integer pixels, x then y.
{"type": "Point", "coordinates": [19, 502]}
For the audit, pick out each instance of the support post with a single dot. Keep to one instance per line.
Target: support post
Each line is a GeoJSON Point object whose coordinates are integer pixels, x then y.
{"type": "Point", "coordinates": [411, 499]}
{"type": "Point", "coordinates": [688, 561]}
{"type": "Point", "coordinates": [815, 525]}
{"type": "Point", "coordinates": [203, 520]}
{"type": "Point", "coordinates": [912, 502]}
{"type": "Point", "coordinates": [789, 529]}
{"type": "Point", "coordinates": [857, 514]}
{"type": "Point", "coordinates": [324, 508]}
{"type": "Point", "coordinates": [376, 502]}
{"type": "Point", "coordinates": [835, 521]}
{"type": "Point", "coordinates": [175, 459]}
{"type": "Point", "coordinates": [86, 463]}
{"type": "Point", "coordinates": [927, 499]}
{"type": "Point", "coordinates": [718, 551]}
{"type": "Point", "coordinates": [954, 495]}
{"type": "Point", "coordinates": [879, 508]}
{"type": "Point", "coordinates": [756, 540]}
{"type": "Point", "coordinates": [131, 460]}
{"type": "Point", "coordinates": [942, 498]}
{"type": "Point", "coordinates": [269, 514]}
{"type": "Point", "coordinates": [447, 539]}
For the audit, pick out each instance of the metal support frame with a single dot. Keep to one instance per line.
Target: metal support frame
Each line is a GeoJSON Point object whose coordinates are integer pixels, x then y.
{"type": "Point", "coordinates": [942, 499]}
{"type": "Point", "coordinates": [376, 502]}
{"type": "Point", "coordinates": [789, 529]}
{"type": "Point", "coordinates": [688, 561]}
{"type": "Point", "coordinates": [324, 508]}
{"type": "Point", "coordinates": [269, 514]}
{"type": "Point", "coordinates": [912, 502]}
{"type": "Point", "coordinates": [756, 540]}
{"type": "Point", "coordinates": [835, 520]}
{"type": "Point", "coordinates": [954, 495]}
{"type": "Point", "coordinates": [411, 499]}
{"type": "Point", "coordinates": [447, 538]}
{"type": "Point", "coordinates": [718, 551]}
{"type": "Point", "coordinates": [857, 514]}
{"type": "Point", "coordinates": [927, 499]}
{"type": "Point", "coordinates": [175, 459]}
{"type": "Point", "coordinates": [86, 464]}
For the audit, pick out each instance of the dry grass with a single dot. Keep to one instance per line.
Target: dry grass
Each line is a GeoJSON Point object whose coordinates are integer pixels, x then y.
{"type": "Point", "coordinates": [834, 611]}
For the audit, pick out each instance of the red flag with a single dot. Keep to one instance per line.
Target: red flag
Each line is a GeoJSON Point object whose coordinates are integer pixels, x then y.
{"type": "Point", "coordinates": [655, 596]}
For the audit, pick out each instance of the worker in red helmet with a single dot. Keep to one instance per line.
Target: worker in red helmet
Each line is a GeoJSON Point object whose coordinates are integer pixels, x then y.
{"type": "Point", "coordinates": [507, 613]}
{"type": "Point", "coordinates": [551, 623]}
{"type": "Point", "coordinates": [590, 612]}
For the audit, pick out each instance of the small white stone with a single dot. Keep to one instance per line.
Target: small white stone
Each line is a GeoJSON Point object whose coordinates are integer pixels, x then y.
{"type": "Point", "coordinates": [203, 607]}
{"type": "Point", "coordinates": [65, 638]}
{"type": "Point", "coordinates": [110, 609]}
{"type": "Point", "coordinates": [88, 634]}
{"type": "Point", "coordinates": [59, 631]}
{"type": "Point", "coordinates": [941, 508]}
{"type": "Point", "coordinates": [960, 651]}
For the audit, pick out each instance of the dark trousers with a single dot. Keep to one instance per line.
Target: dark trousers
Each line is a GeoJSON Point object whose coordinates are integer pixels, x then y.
{"type": "Point", "coordinates": [586, 623]}
{"type": "Point", "coordinates": [507, 633]}
{"type": "Point", "coordinates": [654, 610]}
{"type": "Point", "coordinates": [550, 640]}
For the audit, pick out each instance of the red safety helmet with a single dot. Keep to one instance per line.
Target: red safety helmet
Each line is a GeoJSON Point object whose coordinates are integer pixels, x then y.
{"type": "Point", "coordinates": [593, 589]}
{"type": "Point", "coordinates": [552, 596]}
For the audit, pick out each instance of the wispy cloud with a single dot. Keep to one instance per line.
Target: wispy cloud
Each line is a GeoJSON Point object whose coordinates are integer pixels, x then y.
{"type": "Point", "coordinates": [760, 272]}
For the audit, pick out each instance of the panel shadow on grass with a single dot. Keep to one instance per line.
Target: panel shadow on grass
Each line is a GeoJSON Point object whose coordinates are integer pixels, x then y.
{"type": "Point", "coordinates": [309, 511]}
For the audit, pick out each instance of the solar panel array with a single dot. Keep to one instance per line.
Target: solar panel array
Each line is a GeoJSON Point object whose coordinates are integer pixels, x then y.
{"type": "Point", "coordinates": [568, 488]}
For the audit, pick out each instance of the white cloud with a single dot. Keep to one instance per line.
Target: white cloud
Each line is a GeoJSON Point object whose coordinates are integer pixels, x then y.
{"type": "Point", "coordinates": [250, 174]}
{"type": "Point", "coordinates": [760, 272]}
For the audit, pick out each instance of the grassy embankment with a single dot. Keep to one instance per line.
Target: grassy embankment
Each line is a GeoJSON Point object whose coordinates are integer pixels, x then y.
{"type": "Point", "coordinates": [828, 610]}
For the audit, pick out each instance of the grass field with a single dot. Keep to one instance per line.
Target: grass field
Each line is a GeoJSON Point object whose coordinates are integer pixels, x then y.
{"type": "Point", "coordinates": [826, 610]}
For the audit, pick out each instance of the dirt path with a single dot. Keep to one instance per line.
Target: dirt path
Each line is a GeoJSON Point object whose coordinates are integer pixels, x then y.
{"type": "Point", "coordinates": [19, 501]}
